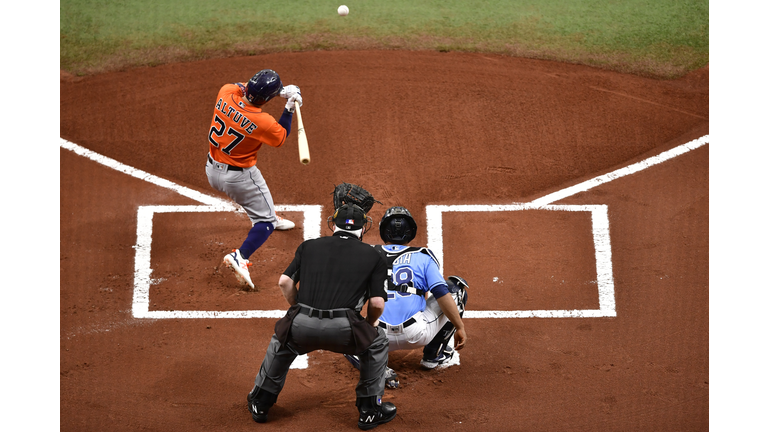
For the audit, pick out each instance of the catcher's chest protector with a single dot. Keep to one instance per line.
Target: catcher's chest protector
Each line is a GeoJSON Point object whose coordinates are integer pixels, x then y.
{"type": "Point", "coordinates": [391, 257]}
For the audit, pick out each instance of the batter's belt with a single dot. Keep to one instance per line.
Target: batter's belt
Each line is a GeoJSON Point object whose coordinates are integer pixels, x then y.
{"type": "Point", "coordinates": [230, 167]}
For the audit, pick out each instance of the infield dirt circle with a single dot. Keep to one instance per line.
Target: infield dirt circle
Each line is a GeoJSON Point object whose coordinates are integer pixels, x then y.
{"type": "Point", "coordinates": [416, 129]}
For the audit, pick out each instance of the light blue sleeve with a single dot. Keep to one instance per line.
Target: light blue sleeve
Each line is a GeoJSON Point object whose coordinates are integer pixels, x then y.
{"type": "Point", "coordinates": [432, 274]}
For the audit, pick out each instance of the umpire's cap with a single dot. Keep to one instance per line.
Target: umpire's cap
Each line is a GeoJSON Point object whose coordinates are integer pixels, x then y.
{"type": "Point", "coordinates": [350, 217]}
{"type": "Point", "coordinates": [263, 86]}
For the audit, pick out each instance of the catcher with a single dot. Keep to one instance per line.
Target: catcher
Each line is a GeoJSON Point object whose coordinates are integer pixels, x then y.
{"type": "Point", "coordinates": [423, 309]}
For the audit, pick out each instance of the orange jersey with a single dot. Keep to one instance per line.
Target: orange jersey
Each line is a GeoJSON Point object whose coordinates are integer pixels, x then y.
{"type": "Point", "coordinates": [238, 129]}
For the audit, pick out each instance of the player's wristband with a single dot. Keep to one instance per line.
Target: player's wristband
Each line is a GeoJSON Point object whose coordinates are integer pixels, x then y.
{"type": "Point", "coordinates": [285, 121]}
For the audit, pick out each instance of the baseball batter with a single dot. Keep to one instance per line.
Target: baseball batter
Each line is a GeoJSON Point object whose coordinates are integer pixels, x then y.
{"type": "Point", "coordinates": [238, 130]}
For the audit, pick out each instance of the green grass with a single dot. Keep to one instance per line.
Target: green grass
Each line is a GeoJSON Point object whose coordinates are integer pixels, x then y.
{"type": "Point", "coordinates": [663, 38]}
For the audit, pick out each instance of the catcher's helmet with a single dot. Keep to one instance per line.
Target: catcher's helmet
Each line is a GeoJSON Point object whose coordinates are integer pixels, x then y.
{"type": "Point", "coordinates": [263, 86]}
{"type": "Point", "coordinates": [397, 226]}
{"type": "Point", "coordinates": [351, 217]}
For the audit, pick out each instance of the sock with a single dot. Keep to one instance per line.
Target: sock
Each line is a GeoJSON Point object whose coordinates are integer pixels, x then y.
{"type": "Point", "coordinates": [258, 234]}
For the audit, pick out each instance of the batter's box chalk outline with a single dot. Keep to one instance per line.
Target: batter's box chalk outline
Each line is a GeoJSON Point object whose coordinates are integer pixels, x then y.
{"type": "Point", "coordinates": [143, 247]}
{"type": "Point", "coordinates": [600, 236]}
{"type": "Point", "coordinates": [143, 268]}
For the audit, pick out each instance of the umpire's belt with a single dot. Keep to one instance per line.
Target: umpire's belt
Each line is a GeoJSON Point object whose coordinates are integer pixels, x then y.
{"type": "Point", "coordinates": [322, 313]}
{"type": "Point", "coordinates": [397, 328]}
{"type": "Point", "coordinates": [229, 167]}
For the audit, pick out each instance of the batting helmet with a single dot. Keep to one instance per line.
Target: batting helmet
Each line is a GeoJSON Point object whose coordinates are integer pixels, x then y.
{"type": "Point", "coordinates": [263, 86]}
{"type": "Point", "coordinates": [397, 226]}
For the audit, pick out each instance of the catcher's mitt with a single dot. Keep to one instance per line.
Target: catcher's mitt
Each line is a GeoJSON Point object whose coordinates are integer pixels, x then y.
{"type": "Point", "coordinates": [348, 193]}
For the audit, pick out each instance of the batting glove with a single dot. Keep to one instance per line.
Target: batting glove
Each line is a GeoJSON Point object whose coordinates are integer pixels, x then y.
{"type": "Point", "coordinates": [289, 91]}
{"type": "Point", "coordinates": [292, 101]}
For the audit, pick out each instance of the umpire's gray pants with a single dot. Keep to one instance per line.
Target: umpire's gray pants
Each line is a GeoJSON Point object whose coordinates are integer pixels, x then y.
{"type": "Point", "coordinates": [311, 333]}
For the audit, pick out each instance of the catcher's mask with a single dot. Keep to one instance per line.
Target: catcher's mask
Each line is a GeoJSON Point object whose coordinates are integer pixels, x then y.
{"type": "Point", "coordinates": [397, 226]}
{"type": "Point", "coordinates": [350, 217]}
{"type": "Point", "coordinates": [263, 86]}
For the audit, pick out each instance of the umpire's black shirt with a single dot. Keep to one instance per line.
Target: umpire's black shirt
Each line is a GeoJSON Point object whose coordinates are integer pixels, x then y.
{"type": "Point", "coordinates": [338, 272]}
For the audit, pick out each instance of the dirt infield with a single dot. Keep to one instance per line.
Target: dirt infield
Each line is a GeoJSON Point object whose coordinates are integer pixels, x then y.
{"type": "Point", "coordinates": [418, 129]}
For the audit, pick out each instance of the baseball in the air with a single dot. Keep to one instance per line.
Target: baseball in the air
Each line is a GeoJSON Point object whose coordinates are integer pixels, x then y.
{"type": "Point", "coordinates": [343, 10]}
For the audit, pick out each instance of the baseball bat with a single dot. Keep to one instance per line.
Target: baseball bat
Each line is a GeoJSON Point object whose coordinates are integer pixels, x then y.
{"type": "Point", "coordinates": [303, 144]}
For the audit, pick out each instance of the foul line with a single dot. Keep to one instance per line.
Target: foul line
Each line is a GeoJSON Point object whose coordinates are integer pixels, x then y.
{"type": "Point", "coordinates": [631, 169]}
{"type": "Point", "coordinates": [648, 101]}
{"type": "Point", "coordinates": [142, 175]}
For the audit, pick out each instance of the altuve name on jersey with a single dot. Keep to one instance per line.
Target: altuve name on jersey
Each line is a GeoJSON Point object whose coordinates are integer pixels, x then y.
{"type": "Point", "coordinates": [238, 117]}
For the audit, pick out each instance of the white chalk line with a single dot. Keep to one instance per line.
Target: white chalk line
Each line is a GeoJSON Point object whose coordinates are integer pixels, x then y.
{"type": "Point", "coordinates": [312, 218]}
{"type": "Point", "coordinates": [142, 175]}
{"type": "Point", "coordinates": [143, 270]}
{"type": "Point", "coordinates": [145, 215]}
{"type": "Point", "coordinates": [142, 266]}
{"type": "Point", "coordinates": [600, 236]}
{"type": "Point", "coordinates": [631, 169]}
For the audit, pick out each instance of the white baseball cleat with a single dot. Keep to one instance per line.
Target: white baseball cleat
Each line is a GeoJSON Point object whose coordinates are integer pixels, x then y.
{"type": "Point", "coordinates": [239, 267]}
{"type": "Point", "coordinates": [441, 360]}
{"type": "Point", "coordinates": [283, 224]}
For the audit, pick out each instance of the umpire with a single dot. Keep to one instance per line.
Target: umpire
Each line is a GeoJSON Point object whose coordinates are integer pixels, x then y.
{"type": "Point", "coordinates": [327, 284]}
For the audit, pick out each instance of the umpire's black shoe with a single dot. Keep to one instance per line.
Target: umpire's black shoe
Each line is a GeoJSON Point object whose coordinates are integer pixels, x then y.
{"type": "Point", "coordinates": [258, 410]}
{"type": "Point", "coordinates": [372, 417]}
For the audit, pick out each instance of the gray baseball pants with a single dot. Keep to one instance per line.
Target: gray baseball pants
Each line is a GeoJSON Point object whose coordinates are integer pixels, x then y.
{"type": "Point", "coordinates": [332, 334]}
{"type": "Point", "coordinates": [247, 188]}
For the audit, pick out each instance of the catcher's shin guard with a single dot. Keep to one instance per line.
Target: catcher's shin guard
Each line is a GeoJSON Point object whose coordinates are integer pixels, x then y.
{"type": "Point", "coordinates": [436, 346]}
{"type": "Point", "coordinates": [440, 341]}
